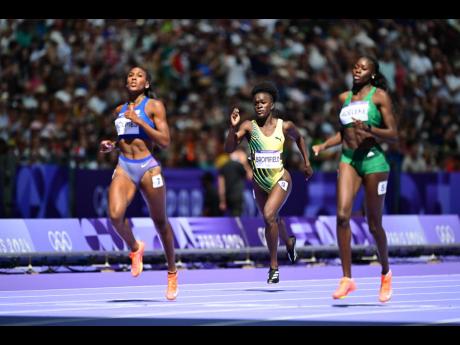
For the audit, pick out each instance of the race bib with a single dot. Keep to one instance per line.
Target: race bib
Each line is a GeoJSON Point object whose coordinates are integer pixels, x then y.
{"type": "Point", "coordinates": [157, 181]}
{"type": "Point", "coordinates": [268, 159]}
{"type": "Point", "coordinates": [357, 110]}
{"type": "Point", "coordinates": [382, 187]}
{"type": "Point", "coordinates": [125, 126]}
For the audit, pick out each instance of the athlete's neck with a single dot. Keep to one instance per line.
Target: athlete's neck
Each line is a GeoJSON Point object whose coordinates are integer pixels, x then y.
{"type": "Point", "coordinates": [136, 99]}
{"type": "Point", "coordinates": [265, 120]}
{"type": "Point", "coordinates": [363, 88]}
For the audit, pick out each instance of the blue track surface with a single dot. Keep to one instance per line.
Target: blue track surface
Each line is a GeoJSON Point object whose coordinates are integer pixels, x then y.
{"type": "Point", "coordinates": [424, 294]}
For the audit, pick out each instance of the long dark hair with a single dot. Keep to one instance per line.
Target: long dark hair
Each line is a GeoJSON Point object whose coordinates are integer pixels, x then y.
{"type": "Point", "coordinates": [377, 79]}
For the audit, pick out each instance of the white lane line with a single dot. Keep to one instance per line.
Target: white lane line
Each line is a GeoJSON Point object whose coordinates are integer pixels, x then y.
{"type": "Point", "coordinates": [153, 297]}
{"type": "Point", "coordinates": [447, 321]}
{"type": "Point", "coordinates": [304, 284]}
{"type": "Point", "coordinates": [226, 283]}
{"type": "Point", "coordinates": [328, 315]}
{"type": "Point", "coordinates": [246, 310]}
{"type": "Point", "coordinates": [99, 307]}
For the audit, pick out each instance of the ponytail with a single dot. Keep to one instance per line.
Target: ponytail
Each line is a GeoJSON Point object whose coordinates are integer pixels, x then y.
{"type": "Point", "coordinates": [377, 79]}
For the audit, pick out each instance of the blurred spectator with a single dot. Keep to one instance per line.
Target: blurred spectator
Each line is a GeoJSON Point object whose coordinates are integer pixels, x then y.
{"type": "Point", "coordinates": [231, 183]}
{"type": "Point", "coordinates": [59, 78]}
{"type": "Point", "coordinates": [210, 196]}
{"type": "Point", "coordinates": [413, 161]}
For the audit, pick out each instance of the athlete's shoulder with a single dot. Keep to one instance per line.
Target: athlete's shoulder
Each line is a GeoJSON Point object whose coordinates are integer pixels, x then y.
{"type": "Point", "coordinates": [343, 96]}
{"type": "Point", "coordinates": [248, 124]}
{"type": "Point", "coordinates": [118, 108]}
{"type": "Point", "coordinates": [287, 124]}
{"type": "Point", "coordinates": [155, 106]}
{"type": "Point", "coordinates": [380, 95]}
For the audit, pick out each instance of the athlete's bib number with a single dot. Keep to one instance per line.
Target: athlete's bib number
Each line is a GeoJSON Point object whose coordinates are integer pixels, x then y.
{"type": "Point", "coordinates": [125, 126]}
{"type": "Point", "coordinates": [355, 110]}
{"type": "Point", "coordinates": [268, 159]}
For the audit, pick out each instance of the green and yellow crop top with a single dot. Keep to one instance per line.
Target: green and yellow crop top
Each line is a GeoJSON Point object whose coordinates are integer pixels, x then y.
{"type": "Point", "coordinates": [266, 152]}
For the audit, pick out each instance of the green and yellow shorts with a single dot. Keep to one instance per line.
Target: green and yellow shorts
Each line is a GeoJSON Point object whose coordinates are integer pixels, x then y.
{"type": "Point", "coordinates": [366, 162]}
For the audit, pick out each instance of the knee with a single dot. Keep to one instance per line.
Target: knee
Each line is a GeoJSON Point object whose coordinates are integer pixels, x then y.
{"type": "Point", "coordinates": [270, 217]}
{"type": "Point", "coordinates": [160, 225]}
{"type": "Point", "coordinates": [116, 215]}
{"type": "Point", "coordinates": [343, 220]}
{"type": "Point", "coordinates": [375, 226]}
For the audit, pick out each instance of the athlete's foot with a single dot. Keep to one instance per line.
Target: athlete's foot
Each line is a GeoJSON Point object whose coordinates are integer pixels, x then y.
{"type": "Point", "coordinates": [273, 276]}
{"type": "Point", "coordinates": [173, 289]}
{"type": "Point", "coordinates": [346, 286]}
{"type": "Point", "coordinates": [385, 287]}
{"type": "Point", "coordinates": [291, 252]}
{"type": "Point", "coordinates": [136, 259]}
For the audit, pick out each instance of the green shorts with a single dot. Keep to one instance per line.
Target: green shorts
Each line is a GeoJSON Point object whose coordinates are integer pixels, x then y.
{"type": "Point", "coordinates": [366, 162]}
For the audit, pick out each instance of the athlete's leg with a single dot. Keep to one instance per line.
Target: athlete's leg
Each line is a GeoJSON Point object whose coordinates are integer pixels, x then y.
{"type": "Point", "coordinates": [375, 191]}
{"type": "Point", "coordinates": [153, 190]}
{"type": "Point", "coordinates": [273, 204]}
{"type": "Point", "coordinates": [348, 184]}
{"type": "Point", "coordinates": [121, 192]}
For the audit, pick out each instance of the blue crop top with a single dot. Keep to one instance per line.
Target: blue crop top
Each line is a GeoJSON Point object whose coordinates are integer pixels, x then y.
{"type": "Point", "coordinates": [126, 129]}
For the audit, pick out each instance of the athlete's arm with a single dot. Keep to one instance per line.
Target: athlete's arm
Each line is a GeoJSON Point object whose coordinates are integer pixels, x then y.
{"type": "Point", "coordinates": [157, 112]}
{"type": "Point", "coordinates": [236, 133]}
{"type": "Point", "coordinates": [291, 130]}
{"type": "Point", "coordinates": [390, 132]}
{"type": "Point", "coordinates": [107, 146]}
{"type": "Point", "coordinates": [335, 140]}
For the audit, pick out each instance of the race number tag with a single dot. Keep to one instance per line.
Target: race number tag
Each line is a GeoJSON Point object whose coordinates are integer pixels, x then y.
{"type": "Point", "coordinates": [268, 159]}
{"type": "Point", "coordinates": [382, 187]}
{"type": "Point", "coordinates": [125, 126]}
{"type": "Point", "coordinates": [157, 181]}
{"type": "Point", "coordinates": [357, 110]}
{"type": "Point", "coordinates": [284, 185]}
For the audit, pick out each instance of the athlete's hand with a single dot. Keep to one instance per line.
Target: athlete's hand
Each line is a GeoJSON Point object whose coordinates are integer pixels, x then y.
{"type": "Point", "coordinates": [308, 171]}
{"type": "Point", "coordinates": [106, 146]}
{"type": "Point", "coordinates": [318, 148]}
{"type": "Point", "coordinates": [130, 114]}
{"type": "Point", "coordinates": [235, 117]}
{"type": "Point", "coordinates": [360, 125]}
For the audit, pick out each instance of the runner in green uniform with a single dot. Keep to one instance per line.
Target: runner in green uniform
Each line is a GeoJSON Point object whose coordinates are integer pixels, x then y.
{"type": "Point", "coordinates": [272, 183]}
{"type": "Point", "coordinates": [366, 116]}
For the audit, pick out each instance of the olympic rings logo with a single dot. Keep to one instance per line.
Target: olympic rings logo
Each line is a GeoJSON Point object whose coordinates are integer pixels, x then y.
{"type": "Point", "coordinates": [445, 234]}
{"type": "Point", "coordinates": [60, 241]}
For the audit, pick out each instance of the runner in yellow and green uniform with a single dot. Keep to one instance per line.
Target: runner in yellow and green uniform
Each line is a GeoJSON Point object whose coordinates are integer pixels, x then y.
{"type": "Point", "coordinates": [272, 183]}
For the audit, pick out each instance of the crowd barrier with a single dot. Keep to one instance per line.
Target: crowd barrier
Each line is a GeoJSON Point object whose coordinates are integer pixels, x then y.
{"type": "Point", "coordinates": [75, 241]}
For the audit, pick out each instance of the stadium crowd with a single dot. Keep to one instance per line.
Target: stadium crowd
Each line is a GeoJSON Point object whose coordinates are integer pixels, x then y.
{"type": "Point", "coordinates": [61, 79]}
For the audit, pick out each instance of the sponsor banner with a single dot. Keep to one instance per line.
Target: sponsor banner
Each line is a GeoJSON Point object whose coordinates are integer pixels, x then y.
{"type": "Point", "coordinates": [56, 235]}
{"type": "Point", "coordinates": [14, 237]}
{"type": "Point", "coordinates": [441, 230]}
{"type": "Point", "coordinates": [208, 233]}
{"type": "Point", "coordinates": [404, 230]}
{"type": "Point", "coordinates": [98, 234]}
